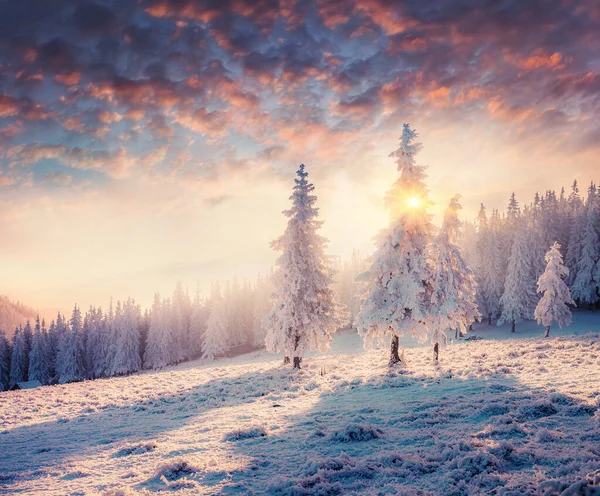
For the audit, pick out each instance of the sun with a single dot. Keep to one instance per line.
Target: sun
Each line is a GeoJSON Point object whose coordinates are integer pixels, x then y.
{"type": "Point", "coordinates": [413, 202]}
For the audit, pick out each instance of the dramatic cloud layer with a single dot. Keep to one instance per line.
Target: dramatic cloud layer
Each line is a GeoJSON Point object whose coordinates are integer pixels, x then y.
{"type": "Point", "coordinates": [195, 113]}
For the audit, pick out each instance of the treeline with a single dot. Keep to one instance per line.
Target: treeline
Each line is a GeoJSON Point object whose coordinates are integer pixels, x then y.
{"type": "Point", "coordinates": [504, 248]}
{"type": "Point", "coordinates": [124, 339]}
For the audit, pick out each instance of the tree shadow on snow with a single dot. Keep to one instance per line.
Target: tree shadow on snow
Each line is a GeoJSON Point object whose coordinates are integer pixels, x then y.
{"type": "Point", "coordinates": [405, 434]}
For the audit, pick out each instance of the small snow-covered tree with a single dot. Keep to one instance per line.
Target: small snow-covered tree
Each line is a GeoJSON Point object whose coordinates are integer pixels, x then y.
{"type": "Point", "coordinates": [18, 363]}
{"type": "Point", "coordinates": [554, 304]}
{"type": "Point", "coordinates": [399, 280]}
{"type": "Point", "coordinates": [4, 362]}
{"type": "Point", "coordinates": [304, 313]}
{"type": "Point", "coordinates": [127, 355]}
{"type": "Point", "coordinates": [453, 298]}
{"type": "Point", "coordinates": [216, 339]}
{"type": "Point", "coordinates": [158, 349]}
{"type": "Point", "coordinates": [39, 361]}
{"type": "Point", "coordinates": [519, 299]}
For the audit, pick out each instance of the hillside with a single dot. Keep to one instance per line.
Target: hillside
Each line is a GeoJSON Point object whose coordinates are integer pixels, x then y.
{"type": "Point", "coordinates": [496, 417]}
{"type": "Point", "coordinates": [13, 314]}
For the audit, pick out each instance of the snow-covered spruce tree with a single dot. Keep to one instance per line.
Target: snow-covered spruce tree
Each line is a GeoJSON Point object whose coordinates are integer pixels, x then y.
{"type": "Point", "coordinates": [177, 328]}
{"type": "Point", "coordinates": [216, 340]}
{"type": "Point", "coordinates": [18, 364]}
{"type": "Point", "coordinates": [4, 362]}
{"type": "Point", "coordinates": [158, 349]}
{"type": "Point", "coordinates": [584, 288]}
{"type": "Point", "coordinates": [304, 313]}
{"type": "Point", "coordinates": [577, 225]}
{"type": "Point", "coordinates": [198, 320]}
{"type": "Point", "coordinates": [69, 362]}
{"type": "Point", "coordinates": [39, 361]}
{"type": "Point", "coordinates": [519, 299]}
{"type": "Point", "coordinates": [554, 304]}
{"type": "Point", "coordinates": [127, 355]}
{"type": "Point", "coordinates": [489, 271]}
{"type": "Point", "coordinates": [453, 298]}
{"type": "Point", "coordinates": [399, 280]}
{"type": "Point", "coordinates": [28, 334]}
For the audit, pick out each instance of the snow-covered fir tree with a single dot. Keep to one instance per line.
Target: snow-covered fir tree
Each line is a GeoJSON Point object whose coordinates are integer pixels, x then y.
{"type": "Point", "coordinates": [18, 360]}
{"type": "Point", "coordinates": [304, 313]}
{"type": "Point", "coordinates": [216, 339]}
{"type": "Point", "coordinates": [489, 274]}
{"type": "Point", "coordinates": [556, 297]}
{"type": "Point", "coordinates": [39, 361]}
{"type": "Point", "coordinates": [519, 299]}
{"type": "Point", "coordinates": [399, 280]}
{"type": "Point", "coordinates": [178, 330]}
{"type": "Point", "coordinates": [198, 321]}
{"type": "Point", "coordinates": [577, 225]}
{"type": "Point", "coordinates": [453, 298]}
{"type": "Point", "coordinates": [158, 348]}
{"type": "Point", "coordinates": [69, 363]}
{"type": "Point", "coordinates": [127, 356]}
{"type": "Point", "coordinates": [4, 362]}
{"type": "Point", "coordinates": [28, 335]}
{"type": "Point", "coordinates": [585, 285]}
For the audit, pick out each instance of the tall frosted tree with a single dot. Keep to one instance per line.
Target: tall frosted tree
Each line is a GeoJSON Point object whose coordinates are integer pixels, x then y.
{"type": "Point", "coordinates": [577, 226]}
{"type": "Point", "coordinates": [158, 349]}
{"type": "Point", "coordinates": [399, 280]}
{"type": "Point", "coordinates": [216, 340]}
{"type": "Point", "coordinates": [18, 361]}
{"type": "Point", "coordinates": [39, 361]}
{"type": "Point", "coordinates": [519, 299]}
{"type": "Point", "coordinates": [584, 287]}
{"type": "Point", "coordinates": [453, 297]}
{"type": "Point", "coordinates": [304, 313]}
{"type": "Point", "coordinates": [4, 362]}
{"type": "Point", "coordinates": [490, 274]}
{"type": "Point", "coordinates": [556, 297]}
{"type": "Point", "coordinates": [127, 356]}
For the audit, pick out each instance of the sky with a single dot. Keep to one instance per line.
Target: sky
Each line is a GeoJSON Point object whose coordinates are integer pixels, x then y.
{"type": "Point", "coordinates": [143, 142]}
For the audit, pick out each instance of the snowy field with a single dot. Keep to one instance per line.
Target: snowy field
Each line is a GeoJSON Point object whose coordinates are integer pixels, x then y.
{"type": "Point", "coordinates": [507, 414]}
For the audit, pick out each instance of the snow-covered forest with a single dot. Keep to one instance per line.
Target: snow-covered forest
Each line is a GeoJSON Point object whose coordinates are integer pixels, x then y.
{"type": "Point", "coordinates": [422, 280]}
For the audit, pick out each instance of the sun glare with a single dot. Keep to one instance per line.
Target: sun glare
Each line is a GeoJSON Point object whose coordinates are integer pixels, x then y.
{"type": "Point", "coordinates": [413, 202]}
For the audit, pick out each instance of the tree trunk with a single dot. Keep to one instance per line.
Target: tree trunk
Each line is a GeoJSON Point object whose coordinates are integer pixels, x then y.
{"type": "Point", "coordinates": [471, 327]}
{"type": "Point", "coordinates": [547, 333]}
{"type": "Point", "coordinates": [286, 360]}
{"type": "Point", "coordinates": [297, 361]}
{"type": "Point", "coordinates": [456, 334]}
{"type": "Point", "coordinates": [490, 319]}
{"type": "Point", "coordinates": [512, 327]}
{"type": "Point", "coordinates": [436, 352]}
{"type": "Point", "coordinates": [394, 357]}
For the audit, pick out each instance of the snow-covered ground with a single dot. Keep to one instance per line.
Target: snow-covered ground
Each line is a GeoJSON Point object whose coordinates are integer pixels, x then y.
{"type": "Point", "coordinates": [502, 415]}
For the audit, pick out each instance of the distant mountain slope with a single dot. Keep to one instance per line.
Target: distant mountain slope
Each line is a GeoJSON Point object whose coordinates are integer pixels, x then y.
{"type": "Point", "coordinates": [13, 314]}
